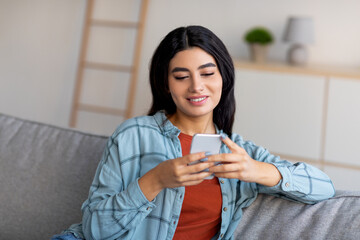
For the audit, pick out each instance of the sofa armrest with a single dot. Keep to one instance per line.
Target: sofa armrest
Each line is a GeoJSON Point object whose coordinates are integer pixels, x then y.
{"type": "Point", "coordinates": [274, 218]}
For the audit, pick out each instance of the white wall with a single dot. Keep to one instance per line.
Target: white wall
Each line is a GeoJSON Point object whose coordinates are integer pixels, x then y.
{"type": "Point", "coordinates": [337, 28]}
{"type": "Point", "coordinates": [39, 43]}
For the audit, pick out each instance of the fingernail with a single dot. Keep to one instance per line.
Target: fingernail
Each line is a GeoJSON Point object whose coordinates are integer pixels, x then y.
{"type": "Point", "coordinates": [207, 154]}
{"type": "Point", "coordinates": [223, 135]}
{"type": "Point", "coordinates": [203, 159]}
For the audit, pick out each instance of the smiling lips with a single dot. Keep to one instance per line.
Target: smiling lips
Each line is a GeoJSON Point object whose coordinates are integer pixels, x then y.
{"type": "Point", "coordinates": [199, 100]}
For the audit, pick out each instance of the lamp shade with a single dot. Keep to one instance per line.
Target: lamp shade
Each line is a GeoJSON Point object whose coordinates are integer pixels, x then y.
{"type": "Point", "coordinates": [299, 30]}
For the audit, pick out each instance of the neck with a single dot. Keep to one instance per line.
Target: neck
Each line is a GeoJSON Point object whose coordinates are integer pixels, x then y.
{"type": "Point", "coordinates": [191, 125]}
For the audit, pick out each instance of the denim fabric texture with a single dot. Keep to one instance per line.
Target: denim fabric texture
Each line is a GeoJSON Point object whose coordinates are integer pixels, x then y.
{"type": "Point", "coordinates": [117, 209]}
{"type": "Point", "coordinates": [65, 236]}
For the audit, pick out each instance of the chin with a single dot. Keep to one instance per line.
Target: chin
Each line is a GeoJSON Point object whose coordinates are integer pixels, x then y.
{"type": "Point", "coordinates": [198, 113]}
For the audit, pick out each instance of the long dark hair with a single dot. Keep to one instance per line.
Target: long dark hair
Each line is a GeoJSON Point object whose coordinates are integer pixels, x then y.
{"type": "Point", "coordinates": [183, 38]}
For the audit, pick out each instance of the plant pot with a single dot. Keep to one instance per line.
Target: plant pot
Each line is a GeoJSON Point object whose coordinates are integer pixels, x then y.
{"type": "Point", "coordinates": [258, 52]}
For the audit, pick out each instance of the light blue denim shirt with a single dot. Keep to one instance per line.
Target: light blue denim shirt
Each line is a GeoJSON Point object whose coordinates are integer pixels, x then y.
{"type": "Point", "coordinates": [117, 209]}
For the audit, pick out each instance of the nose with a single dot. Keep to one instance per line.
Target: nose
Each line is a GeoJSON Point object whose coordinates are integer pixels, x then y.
{"type": "Point", "coordinates": [197, 84]}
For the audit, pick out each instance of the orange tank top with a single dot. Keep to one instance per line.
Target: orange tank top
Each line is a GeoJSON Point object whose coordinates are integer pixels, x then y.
{"type": "Point", "coordinates": [200, 216]}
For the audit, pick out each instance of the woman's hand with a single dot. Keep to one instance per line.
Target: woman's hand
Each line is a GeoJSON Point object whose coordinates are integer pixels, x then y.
{"type": "Point", "coordinates": [238, 164]}
{"type": "Point", "coordinates": [174, 173]}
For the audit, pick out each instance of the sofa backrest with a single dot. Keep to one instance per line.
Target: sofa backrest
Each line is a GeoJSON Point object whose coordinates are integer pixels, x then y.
{"type": "Point", "coordinates": [46, 172]}
{"type": "Point", "coordinates": [45, 175]}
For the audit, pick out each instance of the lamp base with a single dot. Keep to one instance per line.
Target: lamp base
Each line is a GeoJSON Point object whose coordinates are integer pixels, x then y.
{"type": "Point", "coordinates": [297, 55]}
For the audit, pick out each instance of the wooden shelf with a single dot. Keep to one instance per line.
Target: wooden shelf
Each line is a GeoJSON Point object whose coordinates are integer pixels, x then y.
{"type": "Point", "coordinates": [281, 67]}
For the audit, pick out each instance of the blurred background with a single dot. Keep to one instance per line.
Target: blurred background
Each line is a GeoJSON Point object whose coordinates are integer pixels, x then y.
{"type": "Point", "coordinates": [308, 112]}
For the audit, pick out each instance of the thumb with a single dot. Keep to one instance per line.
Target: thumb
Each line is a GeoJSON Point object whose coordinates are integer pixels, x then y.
{"type": "Point", "coordinates": [230, 144]}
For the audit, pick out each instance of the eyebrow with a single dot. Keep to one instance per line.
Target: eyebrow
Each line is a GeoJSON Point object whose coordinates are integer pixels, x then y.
{"type": "Point", "coordinates": [180, 69]}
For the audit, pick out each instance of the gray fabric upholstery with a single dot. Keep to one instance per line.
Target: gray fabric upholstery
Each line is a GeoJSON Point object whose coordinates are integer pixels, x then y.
{"type": "Point", "coordinates": [274, 218]}
{"type": "Point", "coordinates": [46, 171]}
{"type": "Point", "coordinates": [45, 175]}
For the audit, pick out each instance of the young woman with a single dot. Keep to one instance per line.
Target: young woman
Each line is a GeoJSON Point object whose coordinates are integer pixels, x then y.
{"type": "Point", "coordinates": [145, 186]}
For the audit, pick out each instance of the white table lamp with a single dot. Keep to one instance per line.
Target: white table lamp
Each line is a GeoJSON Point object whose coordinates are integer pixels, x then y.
{"type": "Point", "coordinates": [299, 32]}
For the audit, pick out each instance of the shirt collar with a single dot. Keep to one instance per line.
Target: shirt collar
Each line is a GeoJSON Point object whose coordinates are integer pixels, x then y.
{"type": "Point", "coordinates": [167, 128]}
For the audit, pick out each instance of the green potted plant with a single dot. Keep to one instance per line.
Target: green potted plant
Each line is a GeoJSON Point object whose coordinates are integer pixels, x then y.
{"type": "Point", "coordinates": [258, 38]}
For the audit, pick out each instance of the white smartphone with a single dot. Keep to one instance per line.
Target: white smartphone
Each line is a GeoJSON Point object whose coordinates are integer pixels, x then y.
{"type": "Point", "coordinates": [206, 143]}
{"type": "Point", "coordinates": [209, 143]}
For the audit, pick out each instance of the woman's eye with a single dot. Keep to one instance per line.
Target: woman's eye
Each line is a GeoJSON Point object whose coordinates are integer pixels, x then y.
{"type": "Point", "coordinates": [207, 74]}
{"type": "Point", "coordinates": [180, 77]}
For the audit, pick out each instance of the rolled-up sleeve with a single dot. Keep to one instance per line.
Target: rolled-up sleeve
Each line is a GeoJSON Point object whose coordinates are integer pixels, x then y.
{"type": "Point", "coordinates": [300, 181]}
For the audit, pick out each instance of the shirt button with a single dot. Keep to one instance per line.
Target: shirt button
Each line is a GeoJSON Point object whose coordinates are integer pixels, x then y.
{"type": "Point", "coordinates": [148, 208]}
{"type": "Point", "coordinates": [174, 222]}
{"type": "Point", "coordinates": [181, 196]}
{"type": "Point", "coordinates": [287, 184]}
{"type": "Point", "coordinates": [221, 235]}
{"type": "Point", "coordinates": [225, 209]}
{"type": "Point", "coordinates": [222, 181]}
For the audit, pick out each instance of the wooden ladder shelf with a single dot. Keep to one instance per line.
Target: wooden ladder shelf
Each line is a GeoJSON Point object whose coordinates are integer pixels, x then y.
{"type": "Point", "coordinates": [84, 64]}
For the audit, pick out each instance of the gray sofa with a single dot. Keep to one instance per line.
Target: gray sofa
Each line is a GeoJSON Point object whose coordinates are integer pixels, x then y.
{"type": "Point", "coordinates": [46, 171]}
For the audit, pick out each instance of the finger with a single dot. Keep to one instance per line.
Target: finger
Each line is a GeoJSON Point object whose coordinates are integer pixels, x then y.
{"type": "Point", "coordinates": [192, 163]}
{"type": "Point", "coordinates": [200, 176]}
{"type": "Point", "coordinates": [224, 157]}
{"type": "Point", "coordinates": [195, 178]}
{"type": "Point", "coordinates": [199, 167]}
{"type": "Point", "coordinates": [224, 168]}
{"type": "Point", "coordinates": [193, 157]}
{"type": "Point", "coordinates": [231, 145]}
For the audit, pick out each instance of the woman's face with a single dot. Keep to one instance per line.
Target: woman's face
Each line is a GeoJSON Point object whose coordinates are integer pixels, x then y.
{"type": "Point", "coordinates": [195, 82]}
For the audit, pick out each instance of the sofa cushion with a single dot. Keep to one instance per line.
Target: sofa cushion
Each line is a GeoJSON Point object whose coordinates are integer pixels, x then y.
{"type": "Point", "coordinates": [45, 175]}
{"type": "Point", "coordinates": [274, 218]}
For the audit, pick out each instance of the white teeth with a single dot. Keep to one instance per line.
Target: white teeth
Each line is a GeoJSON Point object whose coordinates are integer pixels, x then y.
{"type": "Point", "coordinates": [197, 99]}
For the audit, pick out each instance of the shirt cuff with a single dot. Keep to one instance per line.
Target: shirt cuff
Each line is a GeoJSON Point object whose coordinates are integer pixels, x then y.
{"type": "Point", "coordinates": [286, 183]}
